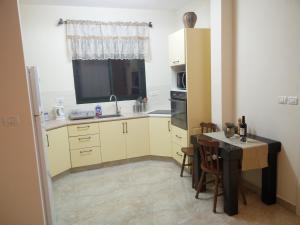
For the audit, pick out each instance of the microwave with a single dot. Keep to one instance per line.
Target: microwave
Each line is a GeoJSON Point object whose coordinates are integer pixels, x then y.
{"type": "Point", "coordinates": [181, 80]}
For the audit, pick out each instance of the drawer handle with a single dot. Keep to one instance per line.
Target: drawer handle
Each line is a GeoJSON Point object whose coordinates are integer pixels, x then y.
{"type": "Point", "coordinates": [84, 139]}
{"type": "Point", "coordinates": [83, 127]}
{"type": "Point", "coordinates": [177, 61]}
{"type": "Point", "coordinates": [178, 154]}
{"type": "Point", "coordinates": [178, 136]}
{"type": "Point", "coordinates": [86, 151]}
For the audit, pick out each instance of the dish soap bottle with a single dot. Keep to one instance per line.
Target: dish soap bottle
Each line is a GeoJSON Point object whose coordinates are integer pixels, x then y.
{"type": "Point", "coordinates": [98, 111]}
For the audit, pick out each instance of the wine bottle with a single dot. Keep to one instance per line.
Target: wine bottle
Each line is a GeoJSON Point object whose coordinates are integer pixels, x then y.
{"type": "Point", "coordinates": [243, 130]}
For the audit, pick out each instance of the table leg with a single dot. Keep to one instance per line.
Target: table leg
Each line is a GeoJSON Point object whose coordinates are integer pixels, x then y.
{"type": "Point", "coordinates": [231, 173]}
{"type": "Point", "coordinates": [269, 180]}
{"type": "Point", "coordinates": [197, 168]}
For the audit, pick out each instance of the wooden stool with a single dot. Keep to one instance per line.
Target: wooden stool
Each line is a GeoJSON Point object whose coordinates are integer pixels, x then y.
{"type": "Point", "coordinates": [189, 151]}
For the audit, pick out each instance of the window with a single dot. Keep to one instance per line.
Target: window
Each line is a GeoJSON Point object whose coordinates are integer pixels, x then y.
{"type": "Point", "coordinates": [96, 80]}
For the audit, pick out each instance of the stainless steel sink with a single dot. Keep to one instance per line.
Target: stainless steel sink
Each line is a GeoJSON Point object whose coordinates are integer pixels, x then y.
{"type": "Point", "coordinates": [109, 116]}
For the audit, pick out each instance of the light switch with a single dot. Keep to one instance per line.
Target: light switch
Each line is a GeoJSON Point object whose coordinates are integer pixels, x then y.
{"type": "Point", "coordinates": [292, 100]}
{"type": "Point", "coordinates": [282, 99]}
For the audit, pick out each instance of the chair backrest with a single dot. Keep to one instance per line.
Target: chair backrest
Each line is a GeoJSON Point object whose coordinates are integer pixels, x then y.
{"type": "Point", "coordinates": [208, 127]}
{"type": "Point", "coordinates": [209, 152]}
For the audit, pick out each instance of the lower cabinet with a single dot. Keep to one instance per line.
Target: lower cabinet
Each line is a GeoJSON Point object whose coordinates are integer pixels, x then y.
{"type": "Point", "coordinates": [124, 139]}
{"type": "Point", "coordinates": [137, 137]}
{"type": "Point", "coordinates": [58, 151]}
{"type": "Point", "coordinates": [113, 140]}
{"type": "Point", "coordinates": [176, 152]}
{"type": "Point", "coordinates": [160, 136]}
{"type": "Point", "coordinates": [85, 156]}
{"type": "Point", "coordinates": [179, 140]}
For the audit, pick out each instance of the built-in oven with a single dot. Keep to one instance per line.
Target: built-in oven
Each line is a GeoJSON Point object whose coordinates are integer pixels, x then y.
{"type": "Point", "coordinates": [179, 109]}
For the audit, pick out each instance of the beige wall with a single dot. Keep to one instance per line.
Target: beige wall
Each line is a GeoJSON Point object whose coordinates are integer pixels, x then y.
{"type": "Point", "coordinates": [221, 62]}
{"type": "Point", "coordinates": [45, 46]}
{"type": "Point", "coordinates": [20, 201]}
{"type": "Point", "coordinates": [267, 66]}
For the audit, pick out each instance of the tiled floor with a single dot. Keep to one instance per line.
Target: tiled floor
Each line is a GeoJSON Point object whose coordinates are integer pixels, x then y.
{"type": "Point", "coordinates": [150, 193]}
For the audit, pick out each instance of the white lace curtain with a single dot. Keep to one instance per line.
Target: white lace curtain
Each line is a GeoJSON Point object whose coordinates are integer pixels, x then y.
{"type": "Point", "coordinates": [89, 40]}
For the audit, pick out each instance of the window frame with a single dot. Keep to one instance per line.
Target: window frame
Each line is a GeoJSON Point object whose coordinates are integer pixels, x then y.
{"type": "Point", "coordinates": [82, 100]}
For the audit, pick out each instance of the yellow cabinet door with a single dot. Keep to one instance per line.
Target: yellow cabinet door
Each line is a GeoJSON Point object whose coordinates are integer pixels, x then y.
{"type": "Point", "coordinates": [137, 137]}
{"type": "Point", "coordinates": [58, 151]}
{"type": "Point", "coordinates": [177, 153]}
{"type": "Point", "coordinates": [160, 136]}
{"type": "Point", "coordinates": [113, 140]}
{"type": "Point", "coordinates": [177, 48]}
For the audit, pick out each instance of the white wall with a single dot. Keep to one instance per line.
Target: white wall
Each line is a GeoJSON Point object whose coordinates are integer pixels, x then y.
{"type": "Point", "coordinates": [267, 66]}
{"type": "Point", "coordinates": [45, 46]}
{"type": "Point", "coordinates": [201, 8]}
{"type": "Point", "coordinates": [20, 197]}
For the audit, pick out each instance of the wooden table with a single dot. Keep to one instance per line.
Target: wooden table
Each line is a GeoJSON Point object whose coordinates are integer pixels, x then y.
{"type": "Point", "coordinates": [232, 156]}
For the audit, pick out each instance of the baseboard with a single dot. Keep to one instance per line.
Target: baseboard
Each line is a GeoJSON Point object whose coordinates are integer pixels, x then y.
{"type": "Point", "coordinates": [280, 201]}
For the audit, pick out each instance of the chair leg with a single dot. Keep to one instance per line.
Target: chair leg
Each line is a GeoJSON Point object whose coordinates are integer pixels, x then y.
{"type": "Point", "coordinates": [200, 184]}
{"type": "Point", "coordinates": [217, 181]}
{"type": "Point", "coordinates": [193, 179]}
{"type": "Point", "coordinates": [183, 164]}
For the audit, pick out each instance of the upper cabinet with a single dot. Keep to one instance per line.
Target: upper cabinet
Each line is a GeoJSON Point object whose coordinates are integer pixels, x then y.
{"type": "Point", "coordinates": [177, 48]}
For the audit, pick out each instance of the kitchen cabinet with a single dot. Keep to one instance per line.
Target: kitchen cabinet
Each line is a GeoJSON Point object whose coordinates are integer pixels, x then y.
{"type": "Point", "coordinates": [179, 140]}
{"type": "Point", "coordinates": [85, 156]}
{"type": "Point", "coordinates": [137, 137]}
{"type": "Point", "coordinates": [58, 151]}
{"type": "Point", "coordinates": [177, 48]}
{"type": "Point", "coordinates": [124, 139]}
{"type": "Point", "coordinates": [84, 144]}
{"type": "Point", "coordinates": [160, 136]}
{"type": "Point", "coordinates": [113, 140]}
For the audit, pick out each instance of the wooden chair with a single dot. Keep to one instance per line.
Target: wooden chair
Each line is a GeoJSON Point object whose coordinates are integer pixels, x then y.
{"type": "Point", "coordinates": [211, 163]}
{"type": "Point", "coordinates": [189, 151]}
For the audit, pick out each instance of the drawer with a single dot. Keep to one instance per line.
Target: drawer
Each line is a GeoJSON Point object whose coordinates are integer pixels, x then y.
{"type": "Point", "coordinates": [84, 141]}
{"type": "Point", "coordinates": [179, 136]}
{"type": "Point", "coordinates": [177, 153]}
{"type": "Point", "coordinates": [83, 129]}
{"type": "Point", "coordinates": [85, 157]}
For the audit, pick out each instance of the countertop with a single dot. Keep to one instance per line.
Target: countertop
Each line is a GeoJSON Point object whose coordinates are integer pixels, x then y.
{"type": "Point", "coordinates": [53, 124]}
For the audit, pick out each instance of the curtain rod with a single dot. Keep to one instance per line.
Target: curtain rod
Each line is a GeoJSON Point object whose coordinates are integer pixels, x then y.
{"type": "Point", "coordinates": [61, 21]}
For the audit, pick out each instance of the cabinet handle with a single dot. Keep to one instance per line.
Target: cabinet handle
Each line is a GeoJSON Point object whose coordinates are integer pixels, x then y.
{"type": "Point", "coordinates": [126, 128]}
{"type": "Point", "coordinates": [177, 61]}
{"type": "Point", "coordinates": [47, 140]}
{"type": "Point", "coordinates": [169, 126]}
{"type": "Point", "coordinates": [178, 136]}
{"type": "Point", "coordinates": [84, 139]}
{"type": "Point", "coordinates": [178, 154]}
{"type": "Point", "coordinates": [123, 128]}
{"type": "Point", "coordinates": [86, 151]}
{"type": "Point", "coordinates": [83, 127]}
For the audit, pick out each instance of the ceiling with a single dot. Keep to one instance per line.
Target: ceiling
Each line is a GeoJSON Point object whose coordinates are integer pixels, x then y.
{"type": "Point", "coordinates": [136, 4]}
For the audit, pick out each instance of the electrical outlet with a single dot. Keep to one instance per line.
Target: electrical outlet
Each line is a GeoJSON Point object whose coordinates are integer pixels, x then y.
{"type": "Point", "coordinates": [292, 100]}
{"type": "Point", "coordinates": [282, 99]}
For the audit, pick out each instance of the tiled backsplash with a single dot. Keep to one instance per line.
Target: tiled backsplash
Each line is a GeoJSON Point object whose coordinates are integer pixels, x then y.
{"type": "Point", "coordinates": [158, 98]}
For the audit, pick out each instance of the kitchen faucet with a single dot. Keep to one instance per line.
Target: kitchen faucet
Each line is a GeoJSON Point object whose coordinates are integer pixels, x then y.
{"type": "Point", "coordinates": [116, 100]}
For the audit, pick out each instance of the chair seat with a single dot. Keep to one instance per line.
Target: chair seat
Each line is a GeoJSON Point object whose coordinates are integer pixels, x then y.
{"type": "Point", "coordinates": [189, 151]}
